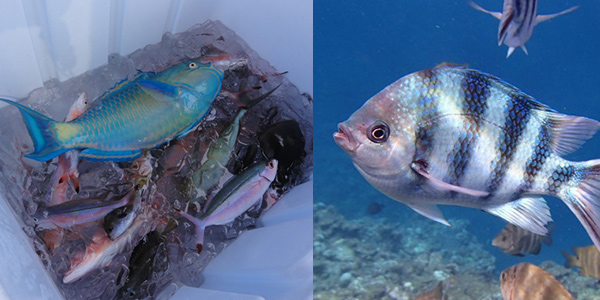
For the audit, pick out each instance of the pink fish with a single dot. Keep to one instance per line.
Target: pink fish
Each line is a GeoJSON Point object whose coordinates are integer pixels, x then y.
{"type": "Point", "coordinates": [237, 196]}
{"type": "Point", "coordinates": [68, 161]}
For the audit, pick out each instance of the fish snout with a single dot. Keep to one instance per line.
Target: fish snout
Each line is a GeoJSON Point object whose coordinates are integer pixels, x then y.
{"type": "Point", "coordinates": [344, 138]}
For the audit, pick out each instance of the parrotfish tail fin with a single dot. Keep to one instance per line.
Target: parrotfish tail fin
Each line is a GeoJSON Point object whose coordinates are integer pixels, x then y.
{"type": "Point", "coordinates": [571, 261]}
{"type": "Point", "coordinates": [582, 195]}
{"type": "Point", "coordinates": [541, 18]}
{"type": "Point", "coordinates": [199, 230]}
{"type": "Point", "coordinates": [41, 130]}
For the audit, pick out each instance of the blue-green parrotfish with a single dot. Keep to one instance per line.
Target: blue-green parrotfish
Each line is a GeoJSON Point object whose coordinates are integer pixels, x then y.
{"type": "Point", "coordinates": [142, 113]}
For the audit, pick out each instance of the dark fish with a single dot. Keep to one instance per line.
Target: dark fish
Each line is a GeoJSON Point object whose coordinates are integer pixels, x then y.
{"type": "Point", "coordinates": [374, 208]}
{"type": "Point", "coordinates": [587, 259]}
{"type": "Point", "coordinates": [517, 19]}
{"type": "Point", "coordinates": [438, 293]}
{"type": "Point", "coordinates": [456, 136]}
{"type": "Point", "coordinates": [517, 241]}
{"type": "Point", "coordinates": [530, 282]}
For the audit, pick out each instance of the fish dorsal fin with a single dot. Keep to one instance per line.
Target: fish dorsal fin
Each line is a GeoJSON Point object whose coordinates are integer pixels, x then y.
{"type": "Point", "coordinates": [430, 211]}
{"type": "Point", "coordinates": [439, 185]}
{"type": "Point", "coordinates": [528, 213]}
{"type": "Point", "coordinates": [541, 18]}
{"type": "Point", "coordinates": [159, 90]}
{"type": "Point", "coordinates": [451, 65]}
{"type": "Point", "coordinates": [568, 133]}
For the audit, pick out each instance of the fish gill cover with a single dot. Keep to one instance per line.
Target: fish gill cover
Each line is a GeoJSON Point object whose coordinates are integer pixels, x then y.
{"type": "Point", "coordinates": [163, 177]}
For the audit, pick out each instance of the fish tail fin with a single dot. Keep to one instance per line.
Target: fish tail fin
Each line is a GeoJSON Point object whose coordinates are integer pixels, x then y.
{"type": "Point", "coordinates": [199, 230]}
{"type": "Point", "coordinates": [42, 133]}
{"type": "Point", "coordinates": [571, 261]}
{"type": "Point", "coordinates": [582, 196]}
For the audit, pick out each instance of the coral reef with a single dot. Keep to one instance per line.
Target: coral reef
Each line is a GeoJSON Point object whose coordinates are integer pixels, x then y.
{"type": "Point", "coordinates": [373, 258]}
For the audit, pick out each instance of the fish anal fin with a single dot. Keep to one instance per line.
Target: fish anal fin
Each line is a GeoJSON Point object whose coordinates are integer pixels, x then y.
{"type": "Point", "coordinates": [568, 133]}
{"type": "Point", "coordinates": [442, 186]}
{"type": "Point", "coordinates": [159, 90]}
{"type": "Point", "coordinates": [497, 15]}
{"type": "Point", "coordinates": [541, 18]}
{"type": "Point", "coordinates": [528, 213]}
{"type": "Point", "coordinates": [430, 211]}
{"type": "Point", "coordinates": [100, 155]}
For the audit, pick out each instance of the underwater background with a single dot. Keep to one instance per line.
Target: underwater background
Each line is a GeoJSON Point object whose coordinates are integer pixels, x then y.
{"type": "Point", "coordinates": [363, 46]}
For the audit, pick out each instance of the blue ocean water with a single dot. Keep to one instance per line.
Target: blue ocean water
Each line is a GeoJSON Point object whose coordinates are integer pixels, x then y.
{"type": "Point", "coordinates": [363, 46]}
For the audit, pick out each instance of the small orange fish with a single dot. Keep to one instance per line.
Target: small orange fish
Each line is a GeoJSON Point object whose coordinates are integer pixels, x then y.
{"type": "Point", "coordinates": [586, 258]}
{"type": "Point", "coordinates": [438, 293]}
{"type": "Point", "coordinates": [526, 281]}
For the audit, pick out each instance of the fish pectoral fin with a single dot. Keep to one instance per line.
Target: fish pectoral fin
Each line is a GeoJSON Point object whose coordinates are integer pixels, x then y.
{"type": "Point", "coordinates": [497, 15]}
{"type": "Point", "coordinates": [528, 213]}
{"type": "Point", "coordinates": [160, 90]}
{"type": "Point", "coordinates": [442, 186]}
{"type": "Point", "coordinates": [541, 18]}
{"type": "Point", "coordinates": [101, 155]}
{"type": "Point", "coordinates": [430, 211]}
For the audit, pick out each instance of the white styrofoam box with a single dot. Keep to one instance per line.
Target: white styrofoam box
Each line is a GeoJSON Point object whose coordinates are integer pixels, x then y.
{"type": "Point", "coordinates": [42, 40]}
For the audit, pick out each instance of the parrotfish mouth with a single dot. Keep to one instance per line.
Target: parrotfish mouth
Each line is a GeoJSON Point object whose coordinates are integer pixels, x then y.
{"type": "Point", "coordinates": [344, 138]}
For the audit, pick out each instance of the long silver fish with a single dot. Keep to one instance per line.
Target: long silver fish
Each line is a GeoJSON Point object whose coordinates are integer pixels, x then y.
{"type": "Point", "coordinates": [238, 195]}
{"type": "Point", "coordinates": [456, 136]}
{"type": "Point", "coordinates": [517, 19]}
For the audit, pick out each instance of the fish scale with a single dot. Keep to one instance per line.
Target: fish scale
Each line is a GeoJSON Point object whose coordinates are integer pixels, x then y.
{"type": "Point", "coordinates": [458, 136]}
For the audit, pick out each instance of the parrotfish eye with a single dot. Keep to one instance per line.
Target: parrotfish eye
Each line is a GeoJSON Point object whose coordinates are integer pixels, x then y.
{"type": "Point", "coordinates": [379, 133]}
{"type": "Point", "coordinates": [193, 65]}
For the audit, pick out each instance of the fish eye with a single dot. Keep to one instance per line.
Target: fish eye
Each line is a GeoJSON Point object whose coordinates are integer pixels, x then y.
{"type": "Point", "coordinates": [193, 65]}
{"type": "Point", "coordinates": [503, 276]}
{"type": "Point", "coordinates": [271, 165]}
{"type": "Point", "coordinates": [35, 219]}
{"type": "Point", "coordinates": [379, 133]}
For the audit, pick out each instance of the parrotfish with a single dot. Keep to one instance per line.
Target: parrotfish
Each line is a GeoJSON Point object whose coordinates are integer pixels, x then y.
{"type": "Point", "coordinates": [526, 281]}
{"type": "Point", "coordinates": [67, 162]}
{"type": "Point", "coordinates": [238, 195]}
{"type": "Point", "coordinates": [457, 136]}
{"type": "Point", "coordinates": [587, 259]}
{"type": "Point", "coordinates": [77, 212]}
{"type": "Point", "coordinates": [517, 19]}
{"type": "Point", "coordinates": [137, 114]}
{"type": "Point", "coordinates": [517, 241]}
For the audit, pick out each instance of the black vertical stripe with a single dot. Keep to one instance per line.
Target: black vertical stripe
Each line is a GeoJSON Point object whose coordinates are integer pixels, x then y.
{"type": "Point", "coordinates": [427, 110]}
{"type": "Point", "coordinates": [475, 91]}
{"type": "Point", "coordinates": [517, 113]}
{"type": "Point", "coordinates": [560, 175]}
{"type": "Point", "coordinates": [536, 161]}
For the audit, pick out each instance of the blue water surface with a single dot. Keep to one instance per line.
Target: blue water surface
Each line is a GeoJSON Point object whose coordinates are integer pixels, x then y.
{"type": "Point", "coordinates": [363, 46]}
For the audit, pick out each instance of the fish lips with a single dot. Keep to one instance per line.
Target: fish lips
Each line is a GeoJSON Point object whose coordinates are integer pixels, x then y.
{"type": "Point", "coordinates": [345, 139]}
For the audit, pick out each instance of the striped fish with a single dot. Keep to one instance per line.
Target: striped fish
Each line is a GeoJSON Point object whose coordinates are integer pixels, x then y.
{"type": "Point", "coordinates": [517, 241]}
{"type": "Point", "coordinates": [456, 136]}
{"type": "Point", "coordinates": [526, 281]}
{"type": "Point", "coordinates": [517, 19]}
{"type": "Point", "coordinates": [142, 113]}
{"type": "Point", "coordinates": [587, 259]}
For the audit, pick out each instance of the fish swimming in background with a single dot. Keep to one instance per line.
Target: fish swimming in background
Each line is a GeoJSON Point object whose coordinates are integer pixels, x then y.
{"type": "Point", "coordinates": [517, 20]}
{"type": "Point", "coordinates": [530, 282]}
{"type": "Point", "coordinates": [456, 136]}
{"type": "Point", "coordinates": [142, 113]}
{"type": "Point", "coordinates": [238, 195]}
{"type": "Point", "coordinates": [517, 241]}
{"type": "Point", "coordinates": [67, 162]}
{"type": "Point", "coordinates": [587, 259]}
{"type": "Point", "coordinates": [438, 293]}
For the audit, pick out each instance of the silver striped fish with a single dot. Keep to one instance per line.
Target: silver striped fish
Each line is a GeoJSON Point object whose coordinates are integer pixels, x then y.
{"type": "Point", "coordinates": [517, 19]}
{"type": "Point", "coordinates": [517, 241]}
{"type": "Point", "coordinates": [456, 136]}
